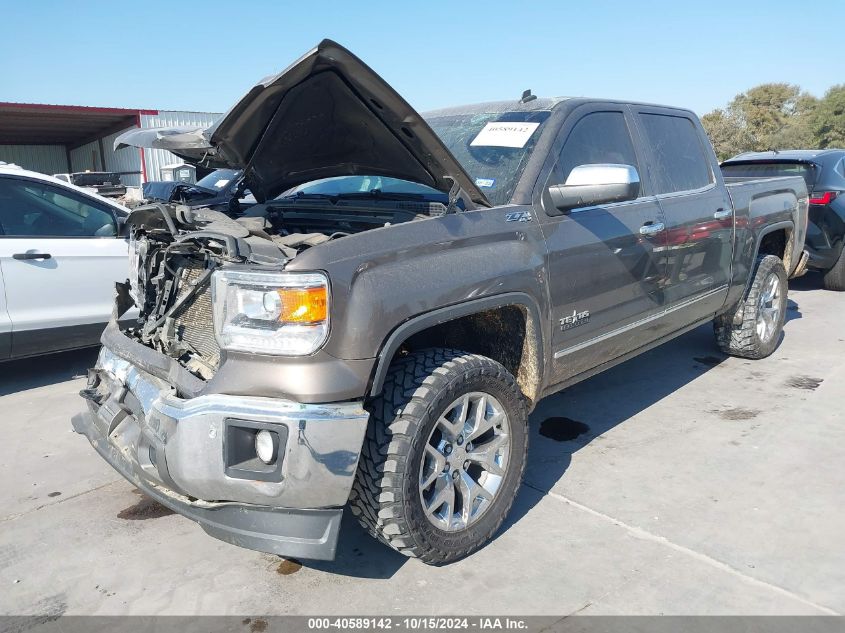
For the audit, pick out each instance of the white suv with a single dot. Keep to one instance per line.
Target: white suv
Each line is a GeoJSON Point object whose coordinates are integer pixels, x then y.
{"type": "Point", "coordinates": [60, 256]}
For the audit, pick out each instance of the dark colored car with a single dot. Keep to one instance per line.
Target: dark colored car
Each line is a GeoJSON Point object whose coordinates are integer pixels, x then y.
{"type": "Point", "coordinates": [222, 190]}
{"type": "Point", "coordinates": [378, 336]}
{"type": "Point", "coordinates": [824, 173]}
{"type": "Point", "coordinates": [105, 183]}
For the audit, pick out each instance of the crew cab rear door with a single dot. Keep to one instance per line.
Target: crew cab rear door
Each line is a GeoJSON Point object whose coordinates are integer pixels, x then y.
{"type": "Point", "coordinates": [698, 211]}
{"type": "Point", "coordinates": [60, 258]}
{"type": "Point", "coordinates": [606, 264]}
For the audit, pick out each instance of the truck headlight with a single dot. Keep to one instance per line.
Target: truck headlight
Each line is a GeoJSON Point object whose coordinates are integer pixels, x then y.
{"type": "Point", "coordinates": [270, 313]}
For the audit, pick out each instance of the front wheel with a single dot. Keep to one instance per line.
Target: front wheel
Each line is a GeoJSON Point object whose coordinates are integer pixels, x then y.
{"type": "Point", "coordinates": [753, 330]}
{"type": "Point", "coordinates": [444, 455]}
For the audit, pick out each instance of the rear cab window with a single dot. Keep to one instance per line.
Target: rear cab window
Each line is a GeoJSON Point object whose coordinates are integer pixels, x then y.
{"type": "Point", "coordinates": [680, 162]}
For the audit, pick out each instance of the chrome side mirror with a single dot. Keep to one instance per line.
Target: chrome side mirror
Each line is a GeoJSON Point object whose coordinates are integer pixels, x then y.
{"type": "Point", "coordinates": [594, 184]}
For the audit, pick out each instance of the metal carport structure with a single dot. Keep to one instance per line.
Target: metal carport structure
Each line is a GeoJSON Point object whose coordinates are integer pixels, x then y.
{"type": "Point", "coordinates": [64, 138]}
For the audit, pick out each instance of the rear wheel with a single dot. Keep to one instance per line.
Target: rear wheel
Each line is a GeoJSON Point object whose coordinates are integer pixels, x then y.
{"type": "Point", "coordinates": [760, 316]}
{"type": "Point", "coordinates": [444, 455]}
{"type": "Point", "coordinates": [834, 279]}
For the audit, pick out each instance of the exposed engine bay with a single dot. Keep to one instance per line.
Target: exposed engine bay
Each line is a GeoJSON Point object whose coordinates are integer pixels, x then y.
{"type": "Point", "coordinates": [175, 249]}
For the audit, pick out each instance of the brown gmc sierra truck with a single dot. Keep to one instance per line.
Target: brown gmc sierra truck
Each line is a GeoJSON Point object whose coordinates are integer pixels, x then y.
{"type": "Point", "coordinates": [375, 331]}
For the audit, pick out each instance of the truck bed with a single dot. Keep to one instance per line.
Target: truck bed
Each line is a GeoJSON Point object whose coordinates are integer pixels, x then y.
{"type": "Point", "coordinates": [769, 201]}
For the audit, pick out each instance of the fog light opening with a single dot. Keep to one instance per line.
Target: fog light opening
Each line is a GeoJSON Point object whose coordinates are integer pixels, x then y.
{"type": "Point", "coordinates": [265, 446]}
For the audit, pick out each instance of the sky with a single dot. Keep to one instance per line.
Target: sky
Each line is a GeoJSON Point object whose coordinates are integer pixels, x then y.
{"type": "Point", "coordinates": [203, 56]}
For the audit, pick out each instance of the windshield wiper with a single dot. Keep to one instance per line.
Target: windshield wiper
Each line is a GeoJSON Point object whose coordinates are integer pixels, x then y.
{"type": "Point", "coordinates": [301, 195]}
{"type": "Point", "coordinates": [385, 195]}
{"type": "Point", "coordinates": [372, 194]}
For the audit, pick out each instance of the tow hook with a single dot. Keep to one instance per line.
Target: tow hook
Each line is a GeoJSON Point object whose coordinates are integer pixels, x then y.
{"type": "Point", "coordinates": [91, 393]}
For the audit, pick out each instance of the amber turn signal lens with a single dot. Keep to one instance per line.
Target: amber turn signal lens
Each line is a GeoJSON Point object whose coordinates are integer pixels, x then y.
{"type": "Point", "coordinates": [303, 305]}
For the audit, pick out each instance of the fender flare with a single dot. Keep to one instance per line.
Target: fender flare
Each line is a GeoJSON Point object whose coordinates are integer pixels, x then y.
{"type": "Point", "coordinates": [777, 226]}
{"type": "Point", "coordinates": [421, 322]}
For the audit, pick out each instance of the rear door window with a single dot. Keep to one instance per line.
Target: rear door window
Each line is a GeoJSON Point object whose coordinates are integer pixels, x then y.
{"type": "Point", "coordinates": [680, 162]}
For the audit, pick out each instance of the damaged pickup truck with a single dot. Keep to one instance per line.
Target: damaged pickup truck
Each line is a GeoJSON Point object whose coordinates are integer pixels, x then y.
{"type": "Point", "coordinates": [375, 331]}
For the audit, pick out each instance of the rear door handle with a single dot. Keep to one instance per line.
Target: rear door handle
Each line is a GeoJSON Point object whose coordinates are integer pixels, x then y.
{"type": "Point", "coordinates": [652, 228]}
{"type": "Point", "coordinates": [32, 256]}
{"type": "Point", "coordinates": [722, 214]}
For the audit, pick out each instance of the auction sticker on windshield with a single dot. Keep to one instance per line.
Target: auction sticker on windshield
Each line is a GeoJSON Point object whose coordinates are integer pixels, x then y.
{"type": "Point", "coordinates": [504, 134]}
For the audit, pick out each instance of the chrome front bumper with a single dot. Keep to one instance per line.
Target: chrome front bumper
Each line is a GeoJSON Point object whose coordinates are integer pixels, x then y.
{"type": "Point", "coordinates": [175, 450]}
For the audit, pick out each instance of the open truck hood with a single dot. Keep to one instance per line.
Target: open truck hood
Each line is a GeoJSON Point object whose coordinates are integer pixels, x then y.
{"type": "Point", "coordinates": [328, 114]}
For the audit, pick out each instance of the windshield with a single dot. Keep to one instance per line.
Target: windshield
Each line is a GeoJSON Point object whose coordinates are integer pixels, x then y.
{"type": "Point", "coordinates": [493, 147]}
{"type": "Point", "coordinates": [218, 180]}
{"type": "Point", "coordinates": [772, 169]}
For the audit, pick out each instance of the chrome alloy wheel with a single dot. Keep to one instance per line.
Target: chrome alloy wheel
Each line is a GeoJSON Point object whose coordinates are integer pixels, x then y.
{"type": "Point", "coordinates": [464, 461]}
{"type": "Point", "coordinates": [768, 312]}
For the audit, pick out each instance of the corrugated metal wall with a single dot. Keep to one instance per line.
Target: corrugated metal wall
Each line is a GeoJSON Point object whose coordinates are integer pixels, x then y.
{"type": "Point", "coordinates": [126, 161]}
{"type": "Point", "coordinates": [86, 158]}
{"type": "Point", "coordinates": [47, 159]}
{"type": "Point", "coordinates": [157, 158]}
{"type": "Point", "coordinates": [52, 159]}
{"type": "Point", "coordinates": [123, 160]}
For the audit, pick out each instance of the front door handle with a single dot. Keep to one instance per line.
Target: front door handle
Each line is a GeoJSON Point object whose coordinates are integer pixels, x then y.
{"type": "Point", "coordinates": [652, 228]}
{"type": "Point", "coordinates": [32, 256]}
{"type": "Point", "coordinates": [723, 214]}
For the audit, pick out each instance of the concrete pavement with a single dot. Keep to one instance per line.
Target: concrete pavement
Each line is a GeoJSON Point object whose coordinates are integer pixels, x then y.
{"type": "Point", "coordinates": [681, 482]}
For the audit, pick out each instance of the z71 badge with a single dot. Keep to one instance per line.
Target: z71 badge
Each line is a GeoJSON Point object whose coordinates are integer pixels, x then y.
{"type": "Point", "coordinates": [575, 319]}
{"type": "Point", "coordinates": [518, 216]}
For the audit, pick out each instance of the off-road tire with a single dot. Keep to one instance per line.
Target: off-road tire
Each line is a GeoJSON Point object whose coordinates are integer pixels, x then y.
{"type": "Point", "coordinates": [834, 278]}
{"type": "Point", "coordinates": [742, 339]}
{"type": "Point", "coordinates": [385, 496]}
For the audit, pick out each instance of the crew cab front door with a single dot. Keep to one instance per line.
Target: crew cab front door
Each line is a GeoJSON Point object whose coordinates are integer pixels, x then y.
{"type": "Point", "coordinates": [606, 266]}
{"type": "Point", "coordinates": [60, 258]}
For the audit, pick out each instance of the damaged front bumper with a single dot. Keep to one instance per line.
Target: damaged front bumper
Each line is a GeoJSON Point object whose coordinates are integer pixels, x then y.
{"type": "Point", "coordinates": [197, 457]}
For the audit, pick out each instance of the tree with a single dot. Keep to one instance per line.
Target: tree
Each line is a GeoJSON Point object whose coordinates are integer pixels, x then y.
{"type": "Point", "coordinates": [727, 133]}
{"type": "Point", "coordinates": [829, 118]}
{"type": "Point", "coordinates": [768, 110]}
{"type": "Point", "coordinates": [768, 116]}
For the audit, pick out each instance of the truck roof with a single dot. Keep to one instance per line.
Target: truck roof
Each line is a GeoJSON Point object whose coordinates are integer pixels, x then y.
{"type": "Point", "coordinates": [538, 103]}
